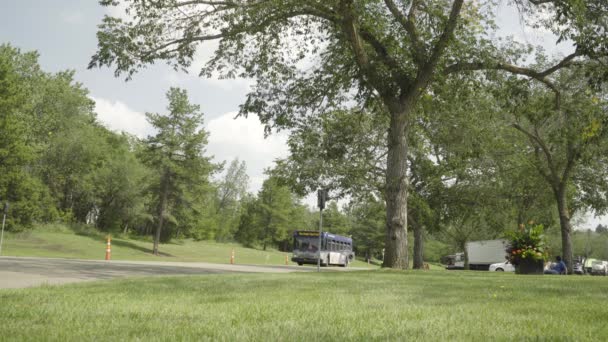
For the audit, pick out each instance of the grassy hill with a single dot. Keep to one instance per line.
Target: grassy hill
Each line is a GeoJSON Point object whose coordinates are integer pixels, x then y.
{"type": "Point", "coordinates": [62, 242]}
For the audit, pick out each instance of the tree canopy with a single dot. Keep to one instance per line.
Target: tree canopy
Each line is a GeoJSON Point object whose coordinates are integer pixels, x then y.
{"type": "Point", "coordinates": [312, 57]}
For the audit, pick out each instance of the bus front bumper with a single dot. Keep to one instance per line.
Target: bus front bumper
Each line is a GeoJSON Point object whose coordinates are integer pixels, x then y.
{"type": "Point", "coordinates": [304, 260]}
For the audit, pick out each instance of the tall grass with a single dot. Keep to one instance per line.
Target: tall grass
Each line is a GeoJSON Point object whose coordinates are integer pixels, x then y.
{"type": "Point", "coordinates": [357, 306]}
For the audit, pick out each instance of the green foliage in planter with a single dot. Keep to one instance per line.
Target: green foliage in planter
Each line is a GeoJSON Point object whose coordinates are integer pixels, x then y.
{"type": "Point", "coordinates": [527, 243]}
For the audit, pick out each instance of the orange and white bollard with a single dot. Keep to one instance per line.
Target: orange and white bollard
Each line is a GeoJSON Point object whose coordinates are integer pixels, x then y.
{"type": "Point", "coordinates": [286, 260]}
{"type": "Point", "coordinates": [232, 257]}
{"type": "Point", "coordinates": [109, 248]}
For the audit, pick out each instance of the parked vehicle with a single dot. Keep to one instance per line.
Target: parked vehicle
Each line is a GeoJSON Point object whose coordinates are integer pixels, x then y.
{"type": "Point", "coordinates": [578, 268]}
{"type": "Point", "coordinates": [481, 255]}
{"type": "Point", "coordinates": [454, 261]}
{"type": "Point", "coordinates": [587, 265]}
{"type": "Point", "coordinates": [599, 267]}
{"type": "Point", "coordinates": [504, 266]}
{"type": "Point", "coordinates": [484, 253]}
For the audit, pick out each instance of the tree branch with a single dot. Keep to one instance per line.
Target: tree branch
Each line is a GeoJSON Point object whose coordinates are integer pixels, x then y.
{"type": "Point", "coordinates": [539, 76]}
{"type": "Point", "coordinates": [350, 26]}
{"type": "Point", "coordinates": [535, 139]}
{"type": "Point", "coordinates": [567, 61]}
{"type": "Point", "coordinates": [382, 52]}
{"type": "Point", "coordinates": [446, 35]}
{"type": "Point", "coordinates": [426, 71]}
{"type": "Point", "coordinates": [409, 25]}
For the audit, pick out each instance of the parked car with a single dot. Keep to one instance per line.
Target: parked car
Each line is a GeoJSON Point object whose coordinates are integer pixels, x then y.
{"type": "Point", "coordinates": [504, 266]}
{"type": "Point", "coordinates": [599, 267]}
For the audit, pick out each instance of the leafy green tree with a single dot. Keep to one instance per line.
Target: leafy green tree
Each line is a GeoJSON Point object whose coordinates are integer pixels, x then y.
{"type": "Point", "coordinates": [367, 218]}
{"type": "Point", "coordinates": [250, 221]}
{"type": "Point", "coordinates": [267, 219]}
{"type": "Point", "coordinates": [565, 127]}
{"type": "Point", "coordinates": [68, 168]}
{"type": "Point", "coordinates": [120, 199]}
{"type": "Point", "coordinates": [175, 154]}
{"type": "Point", "coordinates": [343, 151]}
{"type": "Point", "coordinates": [231, 190]}
{"type": "Point", "coordinates": [392, 49]}
{"type": "Point", "coordinates": [27, 195]}
{"type": "Point", "coordinates": [276, 204]}
{"type": "Point", "coordinates": [334, 220]}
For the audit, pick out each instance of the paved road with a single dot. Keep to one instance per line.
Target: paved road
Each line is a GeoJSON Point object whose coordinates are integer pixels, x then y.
{"type": "Point", "coordinates": [17, 272]}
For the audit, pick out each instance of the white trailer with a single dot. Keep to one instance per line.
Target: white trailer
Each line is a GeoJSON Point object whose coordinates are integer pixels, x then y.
{"type": "Point", "coordinates": [482, 254]}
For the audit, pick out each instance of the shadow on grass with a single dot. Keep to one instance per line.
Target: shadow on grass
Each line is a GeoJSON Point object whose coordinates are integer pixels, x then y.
{"type": "Point", "coordinates": [96, 235]}
{"type": "Point", "coordinates": [131, 245]}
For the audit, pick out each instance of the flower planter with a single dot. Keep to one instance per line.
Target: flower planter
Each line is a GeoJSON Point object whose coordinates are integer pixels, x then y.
{"type": "Point", "coordinates": [529, 266]}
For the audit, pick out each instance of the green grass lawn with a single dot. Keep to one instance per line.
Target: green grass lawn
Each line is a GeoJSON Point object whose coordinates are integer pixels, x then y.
{"type": "Point", "coordinates": [360, 306]}
{"type": "Point", "coordinates": [64, 243]}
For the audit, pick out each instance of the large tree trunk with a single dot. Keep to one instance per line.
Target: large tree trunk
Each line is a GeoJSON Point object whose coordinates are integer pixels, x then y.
{"type": "Point", "coordinates": [566, 228]}
{"type": "Point", "coordinates": [396, 194]}
{"type": "Point", "coordinates": [161, 213]}
{"type": "Point", "coordinates": [418, 247]}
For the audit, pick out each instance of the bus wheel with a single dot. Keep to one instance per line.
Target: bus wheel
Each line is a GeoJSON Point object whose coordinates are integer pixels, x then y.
{"type": "Point", "coordinates": [300, 264]}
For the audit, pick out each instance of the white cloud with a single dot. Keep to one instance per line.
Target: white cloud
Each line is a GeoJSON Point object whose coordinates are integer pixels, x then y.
{"type": "Point", "coordinates": [244, 139]}
{"type": "Point", "coordinates": [117, 116]}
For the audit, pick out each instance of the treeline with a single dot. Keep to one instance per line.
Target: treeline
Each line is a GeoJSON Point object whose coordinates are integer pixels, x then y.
{"type": "Point", "coordinates": [500, 156]}
{"type": "Point", "coordinates": [58, 163]}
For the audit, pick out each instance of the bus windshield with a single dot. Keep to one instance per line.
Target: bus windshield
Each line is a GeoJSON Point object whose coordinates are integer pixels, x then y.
{"type": "Point", "coordinates": [305, 243]}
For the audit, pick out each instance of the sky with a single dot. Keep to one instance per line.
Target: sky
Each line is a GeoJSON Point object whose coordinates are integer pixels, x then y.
{"type": "Point", "coordinates": [63, 32]}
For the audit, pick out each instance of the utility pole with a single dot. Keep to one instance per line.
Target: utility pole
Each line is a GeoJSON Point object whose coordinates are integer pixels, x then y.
{"type": "Point", "coordinates": [322, 196]}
